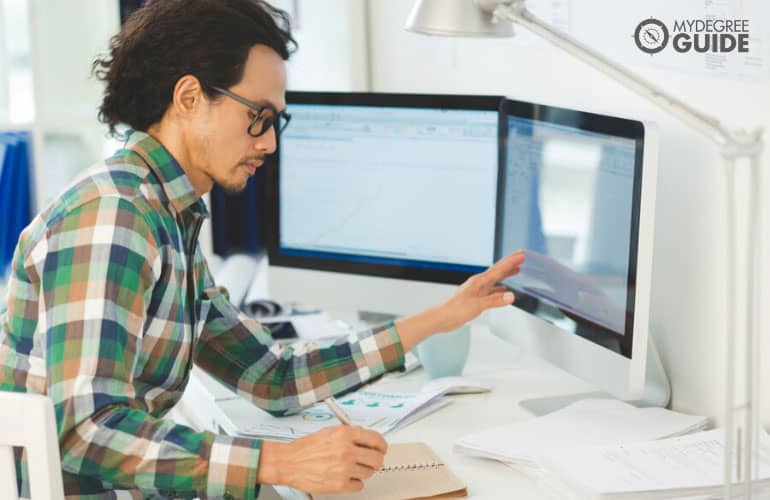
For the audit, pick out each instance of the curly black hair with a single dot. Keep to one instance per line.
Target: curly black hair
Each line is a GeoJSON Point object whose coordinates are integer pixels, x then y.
{"type": "Point", "coordinates": [167, 39]}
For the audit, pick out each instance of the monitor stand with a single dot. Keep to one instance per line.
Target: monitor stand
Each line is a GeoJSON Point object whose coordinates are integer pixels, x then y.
{"type": "Point", "coordinates": [657, 390]}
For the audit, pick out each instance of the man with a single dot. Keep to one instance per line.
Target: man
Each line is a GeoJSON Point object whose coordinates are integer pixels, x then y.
{"type": "Point", "coordinates": [111, 301]}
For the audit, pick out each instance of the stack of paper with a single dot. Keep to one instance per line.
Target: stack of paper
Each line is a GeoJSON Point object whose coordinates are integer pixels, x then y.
{"type": "Point", "coordinates": [375, 410]}
{"type": "Point", "coordinates": [584, 423]}
{"type": "Point", "coordinates": [685, 466]}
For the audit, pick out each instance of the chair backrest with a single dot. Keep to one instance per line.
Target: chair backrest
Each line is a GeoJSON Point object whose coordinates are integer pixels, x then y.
{"type": "Point", "coordinates": [27, 420]}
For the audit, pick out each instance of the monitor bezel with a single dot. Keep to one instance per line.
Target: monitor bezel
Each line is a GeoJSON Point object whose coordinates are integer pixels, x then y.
{"type": "Point", "coordinates": [398, 269]}
{"type": "Point", "coordinates": [591, 122]}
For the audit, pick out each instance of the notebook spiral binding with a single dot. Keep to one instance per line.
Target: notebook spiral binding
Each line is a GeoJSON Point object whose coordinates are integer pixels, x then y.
{"type": "Point", "coordinates": [409, 467]}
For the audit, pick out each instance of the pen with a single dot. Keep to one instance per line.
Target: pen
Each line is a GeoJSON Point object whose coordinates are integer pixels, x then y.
{"type": "Point", "coordinates": [337, 410]}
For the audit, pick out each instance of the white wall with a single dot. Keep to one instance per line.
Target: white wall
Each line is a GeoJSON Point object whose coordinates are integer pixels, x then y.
{"type": "Point", "coordinates": [4, 111]}
{"type": "Point", "coordinates": [66, 37]}
{"type": "Point", "coordinates": [16, 102]}
{"type": "Point", "coordinates": [46, 50]}
{"type": "Point", "coordinates": [688, 314]}
{"type": "Point", "coordinates": [332, 40]}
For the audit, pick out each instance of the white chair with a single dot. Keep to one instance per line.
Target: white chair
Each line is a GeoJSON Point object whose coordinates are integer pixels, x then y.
{"type": "Point", "coordinates": [27, 420]}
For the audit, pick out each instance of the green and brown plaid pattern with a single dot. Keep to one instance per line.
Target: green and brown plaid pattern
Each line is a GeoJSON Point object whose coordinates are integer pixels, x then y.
{"type": "Point", "coordinates": [99, 319]}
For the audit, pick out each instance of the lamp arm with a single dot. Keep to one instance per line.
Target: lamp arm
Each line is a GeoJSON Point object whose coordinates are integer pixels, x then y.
{"type": "Point", "coordinates": [733, 145]}
{"type": "Point", "coordinates": [516, 11]}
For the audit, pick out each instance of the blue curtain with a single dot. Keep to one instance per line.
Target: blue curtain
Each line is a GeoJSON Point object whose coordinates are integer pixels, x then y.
{"type": "Point", "coordinates": [15, 192]}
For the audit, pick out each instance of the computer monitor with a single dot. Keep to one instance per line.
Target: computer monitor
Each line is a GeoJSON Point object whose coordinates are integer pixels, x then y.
{"type": "Point", "coordinates": [381, 201]}
{"type": "Point", "coordinates": [576, 190]}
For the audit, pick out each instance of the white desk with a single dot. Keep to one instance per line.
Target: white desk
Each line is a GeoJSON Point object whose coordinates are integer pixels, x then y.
{"type": "Point", "coordinates": [514, 378]}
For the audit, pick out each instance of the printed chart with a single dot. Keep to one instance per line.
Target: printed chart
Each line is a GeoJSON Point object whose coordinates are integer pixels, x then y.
{"type": "Point", "coordinates": [378, 411]}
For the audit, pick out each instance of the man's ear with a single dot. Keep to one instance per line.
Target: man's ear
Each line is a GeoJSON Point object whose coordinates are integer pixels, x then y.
{"type": "Point", "coordinates": [188, 96]}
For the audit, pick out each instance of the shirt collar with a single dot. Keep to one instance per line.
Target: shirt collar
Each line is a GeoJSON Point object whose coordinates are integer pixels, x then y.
{"type": "Point", "coordinates": [173, 179]}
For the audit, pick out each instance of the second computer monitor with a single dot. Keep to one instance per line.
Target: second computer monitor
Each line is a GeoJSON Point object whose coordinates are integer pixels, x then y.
{"type": "Point", "coordinates": [576, 191]}
{"type": "Point", "coordinates": [389, 185]}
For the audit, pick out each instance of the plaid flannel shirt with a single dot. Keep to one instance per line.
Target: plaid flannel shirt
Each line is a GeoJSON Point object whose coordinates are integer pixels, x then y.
{"type": "Point", "coordinates": [104, 289]}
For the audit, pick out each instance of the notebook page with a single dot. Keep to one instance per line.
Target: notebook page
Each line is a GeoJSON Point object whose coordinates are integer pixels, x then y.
{"type": "Point", "coordinates": [411, 470]}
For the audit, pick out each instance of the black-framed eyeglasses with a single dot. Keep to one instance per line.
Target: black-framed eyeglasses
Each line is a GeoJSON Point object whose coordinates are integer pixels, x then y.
{"type": "Point", "coordinates": [265, 117]}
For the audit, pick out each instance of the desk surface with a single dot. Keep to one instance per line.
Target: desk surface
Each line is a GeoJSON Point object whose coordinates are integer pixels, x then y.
{"type": "Point", "coordinates": [513, 376]}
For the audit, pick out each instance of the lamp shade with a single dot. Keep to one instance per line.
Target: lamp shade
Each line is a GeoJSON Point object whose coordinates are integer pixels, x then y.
{"type": "Point", "coordinates": [454, 18]}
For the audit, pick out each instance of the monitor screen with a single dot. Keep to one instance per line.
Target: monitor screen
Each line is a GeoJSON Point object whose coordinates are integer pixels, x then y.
{"type": "Point", "coordinates": [569, 194]}
{"type": "Point", "coordinates": [391, 185]}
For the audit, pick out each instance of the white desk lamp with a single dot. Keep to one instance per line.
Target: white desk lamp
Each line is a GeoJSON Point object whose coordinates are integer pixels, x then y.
{"type": "Point", "coordinates": [487, 18]}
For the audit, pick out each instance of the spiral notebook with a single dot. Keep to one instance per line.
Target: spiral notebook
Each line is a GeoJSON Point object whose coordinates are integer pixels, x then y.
{"type": "Point", "coordinates": [410, 471]}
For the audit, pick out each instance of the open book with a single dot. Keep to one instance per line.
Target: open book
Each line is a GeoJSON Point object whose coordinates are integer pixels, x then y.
{"type": "Point", "coordinates": [411, 470]}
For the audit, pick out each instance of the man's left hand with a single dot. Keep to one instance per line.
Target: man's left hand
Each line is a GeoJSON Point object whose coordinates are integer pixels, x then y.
{"type": "Point", "coordinates": [480, 292]}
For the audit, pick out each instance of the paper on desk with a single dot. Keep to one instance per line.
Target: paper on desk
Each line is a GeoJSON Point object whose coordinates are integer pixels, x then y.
{"type": "Point", "coordinates": [687, 465]}
{"type": "Point", "coordinates": [313, 326]}
{"type": "Point", "coordinates": [319, 326]}
{"type": "Point", "coordinates": [259, 289]}
{"type": "Point", "coordinates": [378, 411]}
{"type": "Point", "coordinates": [584, 423]}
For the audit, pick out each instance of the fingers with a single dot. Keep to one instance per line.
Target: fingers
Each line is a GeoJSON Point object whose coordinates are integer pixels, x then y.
{"type": "Point", "coordinates": [346, 485]}
{"type": "Point", "coordinates": [334, 460]}
{"type": "Point", "coordinates": [369, 439]}
{"type": "Point", "coordinates": [362, 472]}
{"type": "Point", "coordinates": [371, 448]}
{"type": "Point", "coordinates": [354, 485]}
{"type": "Point", "coordinates": [369, 458]}
{"type": "Point", "coordinates": [499, 299]}
{"type": "Point", "coordinates": [504, 268]}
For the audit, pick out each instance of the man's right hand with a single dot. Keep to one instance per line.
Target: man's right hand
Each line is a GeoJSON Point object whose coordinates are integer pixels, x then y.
{"type": "Point", "coordinates": [332, 460]}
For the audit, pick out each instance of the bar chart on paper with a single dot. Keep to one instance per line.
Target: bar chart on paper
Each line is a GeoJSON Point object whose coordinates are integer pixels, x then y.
{"type": "Point", "coordinates": [378, 411]}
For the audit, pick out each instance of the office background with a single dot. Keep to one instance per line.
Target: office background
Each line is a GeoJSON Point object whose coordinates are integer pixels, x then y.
{"type": "Point", "coordinates": [46, 48]}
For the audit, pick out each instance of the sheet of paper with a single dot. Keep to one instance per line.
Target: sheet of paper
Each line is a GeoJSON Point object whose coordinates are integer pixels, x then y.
{"type": "Point", "coordinates": [585, 423]}
{"type": "Point", "coordinates": [319, 326]}
{"type": "Point", "coordinates": [314, 326]}
{"type": "Point", "coordinates": [688, 462]}
{"type": "Point", "coordinates": [259, 289]}
{"type": "Point", "coordinates": [378, 411]}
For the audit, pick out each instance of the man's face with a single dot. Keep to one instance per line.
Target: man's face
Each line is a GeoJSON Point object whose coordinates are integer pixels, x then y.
{"type": "Point", "coordinates": [223, 148]}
